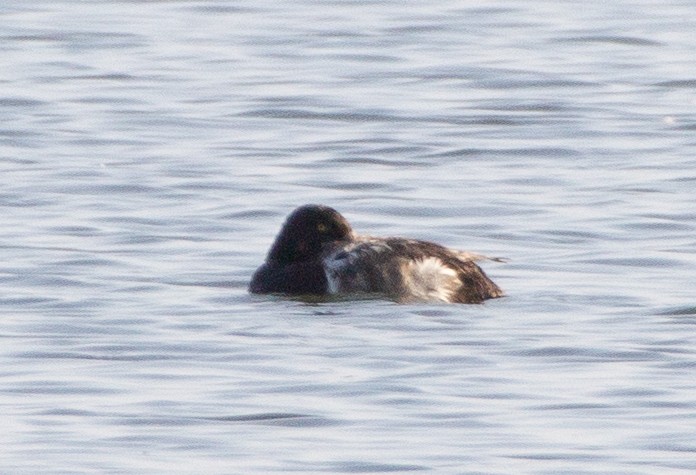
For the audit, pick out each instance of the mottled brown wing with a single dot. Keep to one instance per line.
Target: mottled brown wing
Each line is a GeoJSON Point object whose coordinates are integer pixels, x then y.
{"type": "Point", "coordinates": [475, 287]}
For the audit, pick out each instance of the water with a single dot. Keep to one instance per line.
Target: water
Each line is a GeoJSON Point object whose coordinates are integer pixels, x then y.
{"type": "Point", "coordinates": [150, 150]}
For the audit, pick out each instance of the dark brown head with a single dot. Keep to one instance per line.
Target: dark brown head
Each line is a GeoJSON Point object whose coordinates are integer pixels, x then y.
{"type": "Point", "coordinates": [306, 231]}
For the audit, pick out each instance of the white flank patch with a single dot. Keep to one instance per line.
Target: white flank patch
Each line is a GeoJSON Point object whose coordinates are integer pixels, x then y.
{"type": "Point", "coordinates": [332, 269]}
{"type": "Point", "coordinates": [430, 279]}
{"type": "Point", "coordinates": [335, 267]}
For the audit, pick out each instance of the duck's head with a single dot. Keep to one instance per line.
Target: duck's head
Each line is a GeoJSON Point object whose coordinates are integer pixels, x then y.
{"type": "Point", "coordinates": [306, 231]}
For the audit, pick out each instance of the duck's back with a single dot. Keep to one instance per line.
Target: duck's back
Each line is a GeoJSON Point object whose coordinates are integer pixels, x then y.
{"type": "Point", "coordinates": [406, 270]}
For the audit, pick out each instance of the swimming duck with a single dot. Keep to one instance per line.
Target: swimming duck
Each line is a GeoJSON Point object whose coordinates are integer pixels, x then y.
{"type": "Point", "coordinates": [318, 253]}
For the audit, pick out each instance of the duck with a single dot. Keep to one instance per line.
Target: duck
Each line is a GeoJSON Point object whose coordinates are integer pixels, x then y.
{"type": "Point", "coordinates": [317, 253]}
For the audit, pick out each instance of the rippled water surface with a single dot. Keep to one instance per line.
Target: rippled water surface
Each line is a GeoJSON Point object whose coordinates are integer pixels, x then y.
{"type": "Point", "coordinates": [150, 150]}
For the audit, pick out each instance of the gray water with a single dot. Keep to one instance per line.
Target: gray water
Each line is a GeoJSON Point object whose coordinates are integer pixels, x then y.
{"type": "Point", "coordinates": [150, 151]}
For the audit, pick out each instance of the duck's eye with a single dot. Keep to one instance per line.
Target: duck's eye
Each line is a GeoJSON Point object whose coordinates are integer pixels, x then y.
{"type": "Point", "coordinates": [322, 228]}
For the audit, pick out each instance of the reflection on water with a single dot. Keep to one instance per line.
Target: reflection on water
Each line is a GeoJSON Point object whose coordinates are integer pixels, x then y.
{"type": "Point", "coordinates": [151, 150]}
